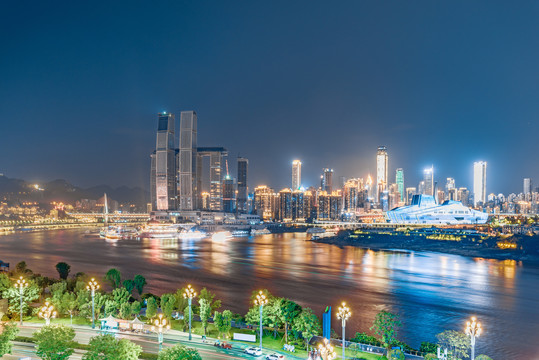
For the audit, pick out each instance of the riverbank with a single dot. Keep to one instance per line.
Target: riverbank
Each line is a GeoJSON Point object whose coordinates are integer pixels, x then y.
{"type": "Point", "coordinates": [519, 247]}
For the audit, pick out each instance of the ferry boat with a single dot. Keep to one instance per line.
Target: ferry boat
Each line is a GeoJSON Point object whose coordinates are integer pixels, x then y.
{"type": "Point", "coordinates": [192, 234]}
{"type": "Point", "coordinates": [159, 230]}
{"type": "Point", "coordinates": [315, 230]}
{"type": "Point", "coordinates": [263, 231]}
{"type": "Point", "coordinates": [119, 232]}
{"type": "Point", "coordinates": [240, 233]}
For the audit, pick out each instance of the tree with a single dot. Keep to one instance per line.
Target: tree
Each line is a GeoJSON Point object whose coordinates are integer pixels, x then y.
{"type": "Point", "coordinates": [140, 282]}
{"type": "Point", "coordinates": [84, 303]}
{"type": "Point", "coordinates": [223, 321]}
{"type": "Point", "coordinates": [151, 307]}
{"type": "Point", "coordinates": [136, 306]}
{"type": "Point", "coordinates": [179, 352]}
{"type": "Point", "coordinates": [204, 312]}
{"type": "Point", "coordinates": [120, 296]}
{"type": "Point", "coordinates": [114, 277]}
{"type": "Point", "coordinates": [457, 343]}
{"type": "Point", "coordinates": [274, 318]}
{"type": "Point", "coordinates": [289, 311]}
{"type": "Point", "coordinates": [181, 302]}
{"type": "Point", "coordinates": [22, 269]}
{"type": "Point", "coordinates": [308, 324]}
{"type": "Point", "coordinates": [107, 347]}
{"type": "Point", "coordinates": [54, 342]}
{"type": "Point", "coordinates": [431, 356]}
{"type": "Point", "coordinates": [63, 270]}
{"type": "Point", "coordinates": [69, 305]}
{"type": "Point", "coordinates": [125, 310]}
{"type": "Point", "coordinates": [30, 294]}
{"type": "Point", "coordinates": [385, 326]}
{"type": "Point", "coordinates": [8, 334]}
{"type": "Point", "coordinates": [129, 285]}
{"type": "Point", "coordinates": [482, 357]}
{"type": "Point", "coordinates": [207, 295]}
{"type": "Point", "coordinates": [167, 304]}
{"type": "Point", "coordinates": [427, 347]}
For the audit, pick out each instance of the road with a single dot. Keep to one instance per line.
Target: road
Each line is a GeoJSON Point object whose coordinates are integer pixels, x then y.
{"type": "Point", "coordinates": [148, 342]}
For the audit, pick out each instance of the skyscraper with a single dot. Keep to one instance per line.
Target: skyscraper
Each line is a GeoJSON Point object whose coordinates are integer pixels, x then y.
{"type": "Point", "coordinates": [188, 161]}
{"type": "Point", "coordinates": [241, 201]}
{"type": "Point", "coordinates": [164, 164]}
{"type": "Point", "coordinates": [527, 186]}
{"type": "Point", "coordinates": [327, 180]}
{"type": "Point", "coordinates": [450, 189]}
{"type": "Point", "coordinates": [479, 182]}
{"type": "Point", "coordinates": [399, 179]}
{"type": "Point", "coordinates": [229, 198]}
{"type": "Point", "coordinates": [428, 177]}
{"type": "Point", "coordinates": [296, 175]}
{"type": "Point", "coordinates": [381, 171]}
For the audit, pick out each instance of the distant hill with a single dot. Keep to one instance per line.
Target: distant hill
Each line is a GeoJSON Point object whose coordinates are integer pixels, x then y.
{"type": "Point", "coordinates": [62, 191]}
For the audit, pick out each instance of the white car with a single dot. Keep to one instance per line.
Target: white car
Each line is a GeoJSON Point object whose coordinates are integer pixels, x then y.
{"type": "Point", "coordinates": [275, 356]}
{"type": "Point", "coordinates": [253, 351]}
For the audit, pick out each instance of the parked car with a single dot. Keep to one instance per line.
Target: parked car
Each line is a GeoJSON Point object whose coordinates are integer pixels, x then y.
{"type": "Point", "coordinates": [275, 356]}
{"type": "Point", "coordinates": [253, 351]}
{"type": "Point", "coordinates": [226, 345]}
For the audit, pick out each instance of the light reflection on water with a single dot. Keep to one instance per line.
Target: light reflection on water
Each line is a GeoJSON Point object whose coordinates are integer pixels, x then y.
{"type": "Point", "coordinates": [432, 292]}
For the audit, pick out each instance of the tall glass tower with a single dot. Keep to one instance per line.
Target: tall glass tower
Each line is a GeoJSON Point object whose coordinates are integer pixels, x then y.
{"type": "Point", "coordinates": [479, 182]}
{"type": "Point", "coordinates": [187, 161]}
{"type": "Point", "coordinates": [164, 164]}
{"type": "Point", "coordinates": [381, 171]}
{"type": "Point", "coordinates": [296, 175]}
{"type": "Point", "coordinates": [241, 201]}
{"type": "Point", "coordinates": [399, 180]}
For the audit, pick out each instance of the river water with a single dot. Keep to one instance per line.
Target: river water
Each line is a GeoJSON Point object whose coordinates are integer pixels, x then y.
{"type": "Point", "coordinates": [431, 292]}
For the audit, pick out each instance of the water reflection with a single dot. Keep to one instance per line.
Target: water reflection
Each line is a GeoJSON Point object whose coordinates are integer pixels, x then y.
{"type": "Point", "coordinates": [432, 292]}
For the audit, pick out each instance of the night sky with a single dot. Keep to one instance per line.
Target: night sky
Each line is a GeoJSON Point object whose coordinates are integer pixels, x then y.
{"type": "Point", "coordinates": [442, 83]}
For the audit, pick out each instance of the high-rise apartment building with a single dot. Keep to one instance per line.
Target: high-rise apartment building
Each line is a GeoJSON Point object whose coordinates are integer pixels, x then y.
{"type": "Point", "coordinates": [241, 199]}
{"type": "Point", "coordinates": [381, 171]}
{"type": "Point", "coordinates": [187, 161]}
{"type": "Point", "coordinates": [399, 180]}
{"type": "Point", "coordinates": [527, 188]}
{"type": "Point", "coordinates": [296, 175]}
{"type": "Point", "coordinates": [428, 178]}
{"type": "Point", "coordinates": [163, 171]}
{"type": "Point", "coordinates": [229, 195]}
{"type": "Point", "coordinates": [264, 204]}
{"type": "Point", "coordinates": [479, 182]}
{"type": "Point", "coordinates": [327, 180]}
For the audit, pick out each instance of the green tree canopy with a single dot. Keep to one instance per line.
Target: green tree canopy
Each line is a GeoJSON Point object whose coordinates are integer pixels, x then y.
{"type": "Point", "coordinates": [68, 305]}
{"type": "Point", "coordinates": [30, 294]}
{"type": "Point", "coordinates": [204, 312]}
{"type": "Point", "coordinates": [308, 324]}
{"type": "Point", "coordinates": [179, 352]}
{"type": "Point", "coordinates": [457, 343]}
{"type": "Point", "coordinates": [207, 295]}
{"type": "Point", "coordinates": [114, 277]}
{"type": "Point", "coordinates": [151, 307]}
{"type": "Point", "coordinates": [63, 270]}
{"type": "Point", "coordinates": [9, 332]}
{"type": "Point", "coordinates": [108, 347]}
{"type": "Point", "coordinates": [129, 285]}
{"type": "Point", "coordinates": [54, 342]}
{"type": "Point", "coordinates": [482, 357]}
{"type": "Point", "coordinates": [289, 311]}
{"type": "Point", "coordinates": [167, 304]}
{"type": "Point", "coordinates": [223, 321]}
{"type": "Point", "coordinates": [385, 326]}
{"type": "Point", "coordinates": [140, 282]}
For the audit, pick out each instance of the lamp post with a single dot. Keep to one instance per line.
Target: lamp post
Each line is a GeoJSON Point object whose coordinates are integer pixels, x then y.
{"type": "Point", "coordinates": [327, 349]}
{"type": "Point", "coordinates": [473, 329]}
{"type": "Point", "coordinates": [261, 300]}
{"type": "Point", "coordinates": [160, 326]}
{"type": "Point", "coordinates": [93, 286]}
{"type": "Point", "coordinates": [21, 284]}
{"type": "Point", "coordinates": [47, 312]}
{"type": "Point", "coordinates": [189, 294]}
{"type": "Point", "coordinates": [343, 314]}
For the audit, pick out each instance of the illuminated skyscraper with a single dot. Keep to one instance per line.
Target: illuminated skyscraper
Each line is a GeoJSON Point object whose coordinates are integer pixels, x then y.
{"type": "Point", "coordinates": [527, 186]}
{"type": "Point", "coordinates": [450, 189]}
{"type": "Point", "coordinates": [264, 204]}
{"type": "Point", "coordinates": [188, 161]}
{"type": "Point", "coordinates": [327, 180]}
{"type": "Point", "coordinates": [399, 179]}
{"type": "Point", "coordinates": [164, 165]}
{"type": "Point", "coordinates": [428, 177]}
{"type": "Point", "coordinates": [229, 198]}
{"type": "Point", "coordinates": [241, 201]}
{"type": "Point", "coordinates": [479, 182]}
{"type": "Point", "coordinates": [296, 175]}
{"type": "Point", "coordinates": [381, 171]}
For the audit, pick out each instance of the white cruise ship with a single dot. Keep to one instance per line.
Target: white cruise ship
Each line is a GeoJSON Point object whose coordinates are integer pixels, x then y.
{"type": "Point", "coordinates": [425, 210]}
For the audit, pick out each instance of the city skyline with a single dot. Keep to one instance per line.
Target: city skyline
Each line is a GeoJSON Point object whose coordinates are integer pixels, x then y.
{"type": "Point", "coordinates": [404, 77]}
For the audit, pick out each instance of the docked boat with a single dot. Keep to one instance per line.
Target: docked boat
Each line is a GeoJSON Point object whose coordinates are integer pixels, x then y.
{"type": "Point", "coordinates": [315, 230]}
{"type": "Point", "coordinates": [192, 234]}
{"type": "Point", "coordinates": [240, 233]}
{"type": "Point", "coordinates": [119, 232]}
{"type": "Point", "coordinates": [263, 231]}
{"type": "Point", "coordinates": [160, 230]}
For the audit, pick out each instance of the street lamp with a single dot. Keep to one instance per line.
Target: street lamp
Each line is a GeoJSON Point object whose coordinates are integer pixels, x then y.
{"type": "Point", "coordinates": [261, 300]}
{"type": "Point", "coordinates": [327, 349]}
{"type": "Point", "coordinates": [343, 314]}
{"type": "Point", "coordinates": [189, 294]}
{"type": "Point", "coordinates": [21, 284]}
{"type": "Point", "coordinates": [93, 286]}
{"type": "Point", "coordinates": [160, 325]}
{"type": "Point", "coordinates": [473, 329]}
{"type": "Point", "coordinates": [47, 312]}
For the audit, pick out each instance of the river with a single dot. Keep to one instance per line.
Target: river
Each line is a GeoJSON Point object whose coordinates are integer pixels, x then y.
{"type": "Point", "coordinates": [431, 292]}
